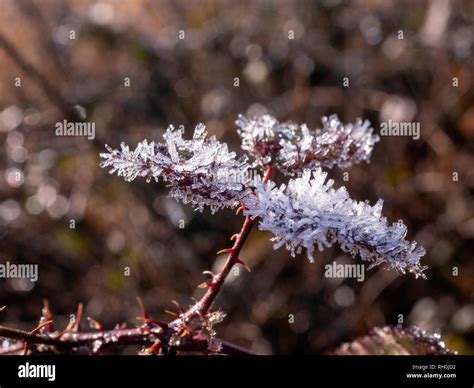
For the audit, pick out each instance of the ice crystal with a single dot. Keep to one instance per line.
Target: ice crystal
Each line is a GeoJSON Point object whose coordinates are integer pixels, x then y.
{"type": "Point", "coordinates": [293, 147]}
{"type": "Point", "coordinates": [431, 341]}
{"type": "Point", "coordinates": [199, 171]}
{"type": "Point", "coordinates": [396, 340]}
{"type": "Point", "coordinates": [214, 345]}
{"type": "Point", "coordinates": [309, 212]}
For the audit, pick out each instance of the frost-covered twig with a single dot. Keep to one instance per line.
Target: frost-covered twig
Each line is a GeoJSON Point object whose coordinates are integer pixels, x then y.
{"type": "Point", "coordinates": [91, 342]}
{"type": "Point", "coordinates": [310, 213]}
{"type": "Point", "coordinates": [306, 213]}
{"type": "Point", "coordinates": [154, 337]}
{"type": "Point", "coordinates": [293, 147]}
{"type": "Point", "coordinates": [199, 171]}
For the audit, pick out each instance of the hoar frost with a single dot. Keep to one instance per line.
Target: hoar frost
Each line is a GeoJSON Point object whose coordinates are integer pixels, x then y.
{"type": "Point", "coordinates": [199, 171]}
{"type": "Point", "coordinates": [307, 213]}
{"type": "Point", "coordinates": [293, 147]}
{"type": "Point", "coordinates": [310, 213]}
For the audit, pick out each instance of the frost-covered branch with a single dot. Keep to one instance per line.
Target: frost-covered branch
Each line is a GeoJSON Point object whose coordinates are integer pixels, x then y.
{"type": "Point", "coordinates": [199, 171]}
{"type": "Point", "coordinates": [152, 336]}
{"type": "Point", "coordinates": [98, 342]}
{"type": "Point", "coordinates": [310, 213]}
{"type": "Point", "coordinates": [292, 147]}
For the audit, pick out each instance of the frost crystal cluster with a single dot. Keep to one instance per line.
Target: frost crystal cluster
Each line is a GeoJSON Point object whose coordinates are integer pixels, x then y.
{"type": "Point", "coordinates": [293, 147]}
{"type": "Point", "coordinates": [310, 213]}
{"type": "Point", "coordinates": [307, 213]}
{"type": "Point", "coordinates": [199, 171]}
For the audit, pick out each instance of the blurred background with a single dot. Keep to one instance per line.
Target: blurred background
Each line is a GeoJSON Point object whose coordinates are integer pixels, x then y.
{"type": "Point", "coordinates": [405, 61]}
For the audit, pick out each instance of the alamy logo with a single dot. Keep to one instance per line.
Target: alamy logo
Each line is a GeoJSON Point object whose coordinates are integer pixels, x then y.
{"type": "Point", "coordinates": [68, 128]}
{"type": "Point", "coordinates": [13, 271]}
{"type": "Point", "coordinates": [335, 270]}
{"type": "Point", "coordinates": [390, 128]}
{"type": "Point", "coordinates": [37, 371]}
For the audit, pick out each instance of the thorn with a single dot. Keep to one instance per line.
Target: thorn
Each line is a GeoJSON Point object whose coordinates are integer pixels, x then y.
{"type": "Point", "coordinates": [210, 273]}
{"type": "Point", "coordinates": [154, 349]}
{"type": "Point", "coordinates": [184, 331]}
{"type": "Point", "coordinates": [95, 324]}
{"type": "Point", "coordinates": [243, 264]}
{"type": "Point", "coordinates": [240, 208]}
{"type": "Point", "coordinates": [203, 285]}
{"type": "Point", "coordinates": [225, 250]}
{"type": "Point", "coordinates": [234, 236]}
{"type": "Point", "coordinates": [145, 314]}
{"type": "Point", "coordinates": [69, 326]}
{"type": "Point", "coordinates": [181, 310]}
{"type": "Point", "coordinates": [3, 308]}
{"type": "Point", "coordinates": [77, 323]}
{"type": "Point", "coordinates": [47, 315]}
{"type": "Point", "coordinates": [172, 313]}
{"type": "Point", "coordinates": [39, 327]}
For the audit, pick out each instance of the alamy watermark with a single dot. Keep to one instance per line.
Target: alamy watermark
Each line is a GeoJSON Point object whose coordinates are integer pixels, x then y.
{"type": "Point", "coordinates": [19, 271]}
{"type": "Point", "coordinates": [70, 128]}
{"type": "Point", "coordinates": [391, 128]}
{"type": "Point", "coordinates": [33, 371]}
{"type": "Point", "coordinates": [354, 271]}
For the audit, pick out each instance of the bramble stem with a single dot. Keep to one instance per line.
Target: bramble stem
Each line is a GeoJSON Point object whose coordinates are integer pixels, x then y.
{"type": "Point", "coordinates": [202, 307]}
{"type": "Point", "coordinates": [72, 342]}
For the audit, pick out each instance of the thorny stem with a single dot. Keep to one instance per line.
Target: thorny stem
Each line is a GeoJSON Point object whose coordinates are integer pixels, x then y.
{"type": "Point", "coordinates": [202, 307]}
{"type": "Point", "coordinates": [73, 341]}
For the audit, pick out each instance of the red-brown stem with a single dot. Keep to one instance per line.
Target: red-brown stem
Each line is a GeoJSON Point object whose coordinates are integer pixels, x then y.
{"type": "Point", "coordinates": [218, 280]}
{"type": "Point", "coordinates": [204, 304]}
{"type": "Point", "coordinates": [71, 342]}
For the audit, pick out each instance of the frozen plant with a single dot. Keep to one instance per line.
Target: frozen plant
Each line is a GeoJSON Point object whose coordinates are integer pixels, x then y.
{"type": "Point", "coordinates": [199, 171]}
{"type": "Point", "coordinates": [306, 213]}
{"type": "Point", "coordinates": [309, 212]}
{"type": "Point", "coordinates": [292, 147]}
